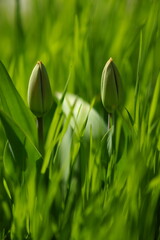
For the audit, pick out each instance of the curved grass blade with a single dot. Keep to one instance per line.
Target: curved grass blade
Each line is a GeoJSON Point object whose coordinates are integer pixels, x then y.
{"type": "Point", "coordinates": [23, 150]}
{"type": "Point", "coordinates": [13, 105]}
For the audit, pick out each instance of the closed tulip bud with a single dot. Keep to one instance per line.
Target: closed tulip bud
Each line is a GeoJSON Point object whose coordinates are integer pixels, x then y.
{"type": "Point", "coordinates": [111, 87]}
{"type": "Point", "coordinates": [39, 91]}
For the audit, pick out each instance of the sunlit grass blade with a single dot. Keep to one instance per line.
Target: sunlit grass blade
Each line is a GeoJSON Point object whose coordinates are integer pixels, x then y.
{"type": "Point", "coordinates": [52, 137]}
{"type": "Point", "coordinates": [138, 74]}
{"type": "Point", "coordinates": [154, 103]}
{"type": "Point", "coordinates": [14, 106]}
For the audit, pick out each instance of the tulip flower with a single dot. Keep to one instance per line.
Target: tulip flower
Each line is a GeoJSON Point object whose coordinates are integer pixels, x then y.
{"type": "Point", "coordinates": [39, 91]}
{"type": "Point", "coordinates": [111, 87]}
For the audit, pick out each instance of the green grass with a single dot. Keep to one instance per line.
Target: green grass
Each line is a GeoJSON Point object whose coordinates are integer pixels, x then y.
{"type": "Point", "coordinates": [92, 182]}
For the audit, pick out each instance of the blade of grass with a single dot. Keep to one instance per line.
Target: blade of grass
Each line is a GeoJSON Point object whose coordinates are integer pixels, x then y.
{"type": "Point", "coordinates": [23, 149]}
{"type": "Point", "coordinates": [138, 74]}
{"type": "Point", "coordinates": [14, 106]}
{"type": "Point", "coordinates": [154, 103]}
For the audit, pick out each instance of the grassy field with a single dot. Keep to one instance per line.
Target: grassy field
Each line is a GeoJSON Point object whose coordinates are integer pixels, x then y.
{"type": "Point", "coordinates": [91, 181]}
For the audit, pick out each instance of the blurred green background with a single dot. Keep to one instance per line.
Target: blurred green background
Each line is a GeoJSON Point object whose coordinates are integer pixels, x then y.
{"type": "Point", "coordinates": [75, 38]}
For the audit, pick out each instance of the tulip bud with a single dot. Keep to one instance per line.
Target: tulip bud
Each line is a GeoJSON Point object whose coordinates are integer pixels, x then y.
{"type": "Point", "coordinates": [39, 91]}
{"type": "Point", "coordinates": [111, 87]}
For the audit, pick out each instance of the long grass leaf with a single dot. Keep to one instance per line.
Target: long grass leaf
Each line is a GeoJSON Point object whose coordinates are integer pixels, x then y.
{"type": "Point", "coordinates": [14, 106]}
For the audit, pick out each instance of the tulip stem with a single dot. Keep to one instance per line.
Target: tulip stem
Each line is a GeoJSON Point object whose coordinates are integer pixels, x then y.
{"type": "Point", "coordinates": [109, 120]}
{"type": "Point", "coordinates": [40, 134]}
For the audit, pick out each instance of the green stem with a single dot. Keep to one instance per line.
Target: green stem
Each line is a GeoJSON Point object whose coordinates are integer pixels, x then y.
{"type": "Point", "coordinates": [40, 135]}
{"type": "Point", "coordinates": [109, 120]}
{"type": "Point", "coordinates": [113, 120]}
{"type": "Point", "coordinates": [111, 124]}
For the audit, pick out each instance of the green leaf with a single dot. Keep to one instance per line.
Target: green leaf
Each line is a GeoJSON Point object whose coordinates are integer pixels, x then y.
{"type": "Point", "coordinates": [14, 106]}
{"type": "Point", "coordinates": [154, 183]}
{"type": "Point", "coordinates": [130, 117]}
{"type": "Point", "coordinates": [23, 150]}
{"type": "Point", "coordinates": [138, 75]}
{"type": "Point", "coordinates": [7, 188]}
{"type": "Point", "coordinates": [154, 103]}
{"type": "Point", "coordinates": [108, 138]}
{"type": "Point", "coordinates": [52, 136]}
{"type": "Point", "coordinates": [9, 162]}
{"type": "Point", "coordinates": [2, 140]}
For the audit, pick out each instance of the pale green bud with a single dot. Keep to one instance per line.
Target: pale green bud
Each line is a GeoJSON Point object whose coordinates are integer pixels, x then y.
{"type": "Point", "coordinates": [39, 91]}
{"type": "Point", "coordinates": [111, 87]}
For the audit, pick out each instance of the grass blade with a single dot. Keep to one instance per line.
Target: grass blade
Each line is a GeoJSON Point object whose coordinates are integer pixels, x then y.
{"type": "Point", "coordinates": [14, 106]}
